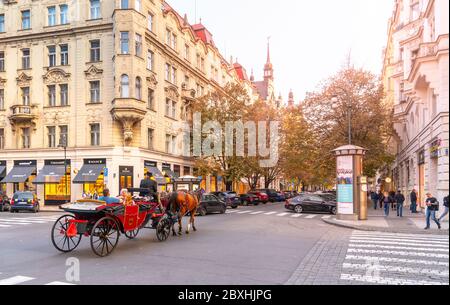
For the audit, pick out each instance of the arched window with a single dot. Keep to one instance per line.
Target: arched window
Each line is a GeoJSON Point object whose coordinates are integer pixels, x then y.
{"type": "Point", "coordinates": [138, 88]}
{"type": "Point", "coordinates": [124, 86]}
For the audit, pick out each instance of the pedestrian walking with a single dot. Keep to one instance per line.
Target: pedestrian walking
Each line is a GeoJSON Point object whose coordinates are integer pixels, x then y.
{"type": "Point", "coordinates": [392, 196]}
{"type": "Point", "coordinates": [375, 199]}
{"type": "Point", "coordinates": [400, 200]}
{"type": "Point", "coordinates": [413, 197]}
{"type": "Point", "coordinates": [432, 207]}
{"type": "Point", "coordinates": [445, 209]}
{"type": "Point", "coordinates": [380, 199]}
{"type": "Point", "coordinates": [387, 201]}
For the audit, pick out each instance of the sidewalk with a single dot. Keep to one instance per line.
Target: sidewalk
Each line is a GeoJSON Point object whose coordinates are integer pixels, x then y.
{"type": "Point", "coordinates": [410, 223]}
{"type": "Point", "coordinates": [52, 209]}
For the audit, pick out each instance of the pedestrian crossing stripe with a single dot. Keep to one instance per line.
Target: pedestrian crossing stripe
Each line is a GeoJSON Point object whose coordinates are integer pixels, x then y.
{"type": "Point", "coordinates": [399, 253]}
{"type": "Point", "coordinates": [4, 226]}
{"type": "Point", "coordinates": [386, 280]}
{"type": "Point", "coordinates": [397, 260]}
{"type": "Point", "coordinates": [256, 213]}
{"type": "Point", "coordinates": [310, 216]}
{"type": "Point", "coordinates": [270, 213]}
{"type": "Point", "coordinates": [15, 280]}
{"type": "Point", "coordinates": [418, 241]}
{"type": "Point", "coordinates": [397, 248]}
{"type": "Point", "coordinates": [408, 270]}
{"type": "Point", "coordinates": [59, 284]}
{"type": "Point", "coordinates": [282, 214]}
{"type": "Point", "coordinates": [22, 220]}
{"type": "Point", "coordinates": [244, 212]}
{"type": "Point", "coordinates": [398, 235]}
{"type": "Point", "coordinates": [296, 215]}
{"type": "Point", "coordinates": [380, 242]}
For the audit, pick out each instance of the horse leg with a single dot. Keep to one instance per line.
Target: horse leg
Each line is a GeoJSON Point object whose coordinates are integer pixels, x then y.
{"type": "Point", "coordinates": [179, 224]}
{"type": "Point", "coordinates": [193, 220]}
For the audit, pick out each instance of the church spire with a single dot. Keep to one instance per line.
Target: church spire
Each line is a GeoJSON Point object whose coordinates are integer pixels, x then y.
{"type": "Point", "coordinates": [268, 68]}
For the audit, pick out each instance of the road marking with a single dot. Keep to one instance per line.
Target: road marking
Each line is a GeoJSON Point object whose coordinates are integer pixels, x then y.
{"type": "Point", "coordinates": [244, 212]}
{"type": "Point", "coordinates": [401, 240]}
{"type": "Point", "coordinates": [256, 213]}
{"type": "Point", "coordinates": [359, 241]}
{"type": "Point", "coordinates": [400, 253]}
{"type": "Point", "coordinates": [396, 260]}
{"type": "Point", "coordinates": [386, 280]}
{"type": "Point", "coordinates": [296, 215]}
{"type": "Point", "coordinates": [395, 269]}
{"type": "Point", "coordinates": [16, 280]}
{"type": "Point", "coordinates": [270, 213]}
{"type": "Point", "coordinates": [4, 226]}
{"type": "Point", "coordinates": [16, 223]}
{"type": "Point", "coordinates": [231, 211]}
{"type": "Point", "coordinates": [59, 284]}
{"type": "Point", "coordinates": [310, 216]}
{"type": "Point", "coordinates": [396, 235]}
{"type": "Point", "coordinates": [397, 248]}
{"type": "Point", "coordinates": [326, 217]}
{"type": "Point", "coordinates": [282, 214]}
{"type": "Point", "coordinates": [24, 221]}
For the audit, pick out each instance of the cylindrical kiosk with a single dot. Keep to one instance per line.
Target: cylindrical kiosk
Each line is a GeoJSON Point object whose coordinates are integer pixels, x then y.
{"type": "Point", "coordinates": [349, 169]}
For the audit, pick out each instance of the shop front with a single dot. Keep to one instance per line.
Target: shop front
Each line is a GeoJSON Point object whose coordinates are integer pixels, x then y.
{"type": "Point", "coordinates": [152, 167]}
{"type": "Point", "coordinates": [55, 176]}
{"type": "Point", "coordinates": [126, 177]}
{"type": "Point", "coordinates": [170, 176]}
{"type": "Point", "coordinates": [2, 176]}
{"type": "Point", "coordinates": [91, 175]}
{"type": "Point", "coordinates": [22, 175]}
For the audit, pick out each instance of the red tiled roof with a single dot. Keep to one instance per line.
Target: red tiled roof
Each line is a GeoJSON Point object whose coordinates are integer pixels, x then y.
{"type": "Point", "coordinates": [240, 70]}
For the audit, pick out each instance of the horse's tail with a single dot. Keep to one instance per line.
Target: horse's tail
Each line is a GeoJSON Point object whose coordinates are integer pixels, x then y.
{"type": "Point", "coordinates": [172, 201]}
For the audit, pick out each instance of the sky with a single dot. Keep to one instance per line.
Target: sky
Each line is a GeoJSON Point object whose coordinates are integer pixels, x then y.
{"type": "Point", "coordinates": [310, 40]}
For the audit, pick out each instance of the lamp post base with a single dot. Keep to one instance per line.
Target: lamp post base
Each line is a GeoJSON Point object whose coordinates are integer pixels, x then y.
{"type": "Point", "coordinates": [347, 217]}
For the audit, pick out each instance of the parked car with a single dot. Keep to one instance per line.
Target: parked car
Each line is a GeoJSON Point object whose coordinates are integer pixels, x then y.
{"type": "Point", "coordinates": [5, 203]}
{"type": "Point", "coordinates": [312, 203]}
{"type": "Point", "coordinates": [247, 199]}
{"type": "Point", "coordinates": [211, 204]}
{"type": "Point", "coordinates": [263, 197]}
{"type": "Point", "coordinates": [290, 194]}
{"type": "Point", "coordinates": [230, 198]}
{"type": "Point", "coordinates": [274, 196]}
{"type": "Point", "coordinates": [24, 201]}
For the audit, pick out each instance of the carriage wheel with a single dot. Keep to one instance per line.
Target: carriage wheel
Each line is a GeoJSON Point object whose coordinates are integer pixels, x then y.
{"type": "Point", "coordinates": [132, 234]}
{"type": "Point", "coordinates": [104, 236]}
{"type": "Point", "coordinates": [60, 240]}
{"type": "Point", "coordinates": [163, 230]}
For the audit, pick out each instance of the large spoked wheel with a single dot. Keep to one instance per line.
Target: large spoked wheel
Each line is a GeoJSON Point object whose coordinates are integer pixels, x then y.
{"type": "Point", "coordinates": [163, 229]}
{"type": "Point", "coordinates": [60, 240]}
{"type": "Point", "coordinates": [132, 234]}
{"type": "Point", "coordinates": [104, 236]}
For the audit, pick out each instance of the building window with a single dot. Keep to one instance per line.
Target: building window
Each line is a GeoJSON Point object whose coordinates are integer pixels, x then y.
{"type": "Point", "coordinates": [138, 45]}
{"type": "Point", "coordinates": [51, 15]}
{"type": "Point", "coordinates": [63, 135]}
{"type": "Point", "coordinates": [138, 88]}
{"type": "Point", "coordinates": [137, 5]}
{"type": "Point", "coordinates": [51, 135]}
{"type": "Point", "coordinates": [64, 54]}
{"type": "Point", "coordinates": [168, 143]}
{"type": "Point", "coordinates": [2, 138]}
{"type": "Point", "coordinates": [2, 99]}
{"type": "Point", "coordinates": [415, 11]}
{"type": "Point", "coordinates": [95, 9]}
{"type": "Point", "coordinates": [51, 95]}
{"type": "Point", "coordinates": [174, 75]}
{"type": "Point", "coordinates": [124, 86]}
{"type": "Point", "coordinates": [25, 96]}
{"type": "Point", "coordinates": [95, 134]}
{"type": "Point", "coordinates": [26, 59]}
{"type": "Point", "coordinates": [150, 22]}
{"type": "Point", "coordinates": [63, 10]}
{"type": "Point", "coordinates": [26, 141]}
{"type": "Point", "coordinates": [26, 20]}
{"type": "Point", "coordinates": [168, 105]}
{"type": "Point", "coordinates": [95, 50]}
{"type": "Point", "coordinates": [51, 56]}
{"type": "Point", "coordinates": [187, 52]}
{"type": "Point", "coordinates": [150, 63]}
{"type": "Point", "coordinates": [2, 23]}
{"type": "Point", "coordinates": [151, 99]}
{"type": "Point", "coordinates": [124, 43]}
{"type": "Point", "coordinates": [174, 109]}
{"type": "Point", "coordinates": [2, 62]}
{"type": "Point", "coordinates": [64, 94]}
{"type": "Point", "coordinates": [167, 74]}
{"type": "Point", "coordinates": [150, 138]}
{"type": "Point", "coordinates": [124, 4]}
{"type": "Point", "coordinates": [95, 91]}
{"type": "Point", "coordinates": [171, 39]}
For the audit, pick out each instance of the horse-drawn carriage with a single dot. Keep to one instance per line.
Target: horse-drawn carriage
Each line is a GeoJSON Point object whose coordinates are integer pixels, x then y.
{"type": "Point", "coordinates": [103, 223]}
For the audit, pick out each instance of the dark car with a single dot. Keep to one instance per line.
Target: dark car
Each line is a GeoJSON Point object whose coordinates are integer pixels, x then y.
{"type": "Point", "coordinates": [230, 198]}
{"type": "Point", "coordinates": [24, 201]}
{"type": "Point", "coordinates": [247, 199]}
{"type": "Point", "coordinates": [274, 196]}
{"type": "Point", "coordinates": [312, 203]}
{"type": "Point", "coordinates": [5, 204]}
{"type": "Point", "coordinates": [290, 194]}
{"type": "Point", "coordinates": [211, 204]}
{"type": "Point", "coordinates": [263, 197]}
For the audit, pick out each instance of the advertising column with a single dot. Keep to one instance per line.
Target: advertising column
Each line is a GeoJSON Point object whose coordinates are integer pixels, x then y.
{"type": "Point", "coordinates": [345, 185]}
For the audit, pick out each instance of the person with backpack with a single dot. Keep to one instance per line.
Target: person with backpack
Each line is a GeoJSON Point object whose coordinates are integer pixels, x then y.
{"type": "Point", "coordinates": [400, 200]}
{"type": "Point", "coordinates": [375, 198]}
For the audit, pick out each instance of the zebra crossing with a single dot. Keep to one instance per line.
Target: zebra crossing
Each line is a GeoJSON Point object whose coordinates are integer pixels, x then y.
{"type": "Point", "coordinates": [10, 222]}
{"type": "Point", "coordinates": [396, 259]}
{"type": "Point", "coordinates": [278, 214]}
{"type": "Point", "coordinates": [20, 279]}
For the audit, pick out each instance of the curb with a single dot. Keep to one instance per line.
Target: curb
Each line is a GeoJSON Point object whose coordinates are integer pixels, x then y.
{"type": "Point", "coordinates": [387, 230]}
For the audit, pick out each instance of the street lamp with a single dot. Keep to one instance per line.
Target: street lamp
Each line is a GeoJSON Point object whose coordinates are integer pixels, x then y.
{"type": "Point", "coordinates": [348, 107]}
{"type": "Point", "coordinates": [63, 144]}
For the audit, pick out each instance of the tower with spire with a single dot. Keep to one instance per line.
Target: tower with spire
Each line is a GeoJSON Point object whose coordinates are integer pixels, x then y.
{"type": "Point", "coordinates": [265, 88]}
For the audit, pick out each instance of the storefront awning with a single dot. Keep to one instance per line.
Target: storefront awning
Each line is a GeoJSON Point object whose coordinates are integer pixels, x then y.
{"type": "Point", "coordinates": [19, 174]}
{"type": "Point", "coordinates": [170, 173]}
{"type": "Point", "coordinates": [50, 174]}
{"type": "Point", "coordinates": [156, 174]}
{"type": "Point", "coordinates": [2, 172]}
{"type": "Point", "coordinates": [89, 173]}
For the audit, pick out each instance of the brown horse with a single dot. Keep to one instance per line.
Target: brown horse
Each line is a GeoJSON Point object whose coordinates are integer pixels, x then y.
{"type": "Point", "coordinates": [184, 203]}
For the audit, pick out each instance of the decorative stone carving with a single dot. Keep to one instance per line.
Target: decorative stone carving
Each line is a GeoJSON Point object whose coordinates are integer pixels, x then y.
{"type": "Point", "coordinates": [172, 93]}
{"type": "Point", "coordinates": [128, 112]}
{"type": "Point", "coordinates": [56, 76]}
{"type": "Point", "coordinates": [152, 81]}
{"type": "Point", "coordinates": [23, 79]}
{"type": "Point", "coordinates": [2, 82]}
{"type": "Point", "coordinates": [93, 73]}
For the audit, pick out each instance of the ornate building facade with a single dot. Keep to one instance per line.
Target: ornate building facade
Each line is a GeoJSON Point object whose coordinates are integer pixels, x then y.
{"type": "Point", "coordinates": [108, 84]}
{"type": "Point", "coordinates": [415, 77]}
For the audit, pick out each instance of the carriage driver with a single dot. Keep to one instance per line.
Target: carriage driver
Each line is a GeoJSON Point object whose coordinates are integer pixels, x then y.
{"type": "Point", "coordinates": [150, 186]}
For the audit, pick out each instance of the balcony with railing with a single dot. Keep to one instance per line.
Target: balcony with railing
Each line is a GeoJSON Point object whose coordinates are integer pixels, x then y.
{"type": "Point", "coordinates": [24, 115]}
